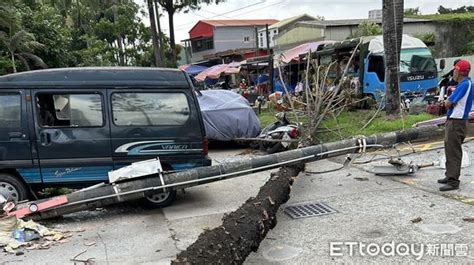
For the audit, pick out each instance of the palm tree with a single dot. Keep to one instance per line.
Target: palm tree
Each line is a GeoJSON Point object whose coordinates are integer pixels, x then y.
{"type": "Point", "coordinates": [392, 25]}
{"type": "Point", "coordinates": [154, 33]}
{"type": "Point", "coordinates": [21, 45]}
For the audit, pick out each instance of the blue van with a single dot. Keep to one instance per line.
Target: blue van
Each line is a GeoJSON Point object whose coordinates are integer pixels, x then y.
{"type": "Point", "coordinates": [70, 127]}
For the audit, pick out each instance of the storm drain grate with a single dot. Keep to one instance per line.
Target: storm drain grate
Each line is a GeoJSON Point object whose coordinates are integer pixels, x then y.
{"type": "Point", "coordinates": [308, 210]}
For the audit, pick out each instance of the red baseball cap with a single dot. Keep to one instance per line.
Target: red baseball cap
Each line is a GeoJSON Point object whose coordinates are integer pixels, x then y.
{"type": "Point", "coordinates": [463, 66]}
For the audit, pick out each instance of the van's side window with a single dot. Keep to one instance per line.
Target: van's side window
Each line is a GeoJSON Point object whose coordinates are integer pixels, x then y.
{"type": "Point", "coordinates": [149, 109]}
{"type": "Point", "coordinates": [69, 110]}
{"type": "Point", "coordinates": [10, 110]}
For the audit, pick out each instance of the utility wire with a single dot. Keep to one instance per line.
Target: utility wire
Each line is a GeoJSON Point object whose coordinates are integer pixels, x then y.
{"type": "Point", "coordinates": [223, 23]}
{"type": "Point", "coordinates": [222, 14]}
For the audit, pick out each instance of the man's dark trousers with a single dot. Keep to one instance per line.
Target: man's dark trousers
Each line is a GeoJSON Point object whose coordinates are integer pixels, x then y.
{"type": "Point", "coordinates": [455, 132]}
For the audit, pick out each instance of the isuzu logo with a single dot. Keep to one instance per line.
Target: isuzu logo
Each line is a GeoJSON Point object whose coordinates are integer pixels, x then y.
{"type": "Point", "coordinates": [415, 77]}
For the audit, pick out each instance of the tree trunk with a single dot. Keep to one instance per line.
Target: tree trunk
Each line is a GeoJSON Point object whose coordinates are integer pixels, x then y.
{"type": "Point", "coordinates": [172, 44]}
{"type": "Point", "coordinates": [154, 35]}
{"type": "Point", "coordinates": [244, 229]}
{"type": "Point", "coordinates": [399, 13]}
{"type": "Point", "coordinates": [160, 33]}
{"type": "Point", "coordinates": [392, 55]}
{"type": "Point", "coordinates": [13, 62]}
{"type": "Point", "coordinates": [119, 35]}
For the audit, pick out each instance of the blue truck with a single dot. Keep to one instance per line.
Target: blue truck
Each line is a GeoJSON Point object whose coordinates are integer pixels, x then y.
{"type": "Point", "coordinates": [418, 71]}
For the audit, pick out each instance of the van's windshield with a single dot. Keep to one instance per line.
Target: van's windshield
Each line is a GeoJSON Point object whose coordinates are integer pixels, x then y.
{"type": "Point", "coordinates": [417, 60]}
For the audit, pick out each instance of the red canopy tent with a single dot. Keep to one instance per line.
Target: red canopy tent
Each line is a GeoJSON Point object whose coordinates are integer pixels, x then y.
{"type": "Point", "coordinates": [294, 53]}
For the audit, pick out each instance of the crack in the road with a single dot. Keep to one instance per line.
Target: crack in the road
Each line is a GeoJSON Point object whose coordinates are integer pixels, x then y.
{"type": "Point", "coordinates": [172, 232]}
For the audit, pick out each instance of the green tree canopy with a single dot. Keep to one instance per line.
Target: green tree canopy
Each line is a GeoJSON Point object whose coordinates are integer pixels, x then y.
{"type": "Point", "coordinates": [68, 33]}
{"type": "Point", "coordinates": [368, 28]}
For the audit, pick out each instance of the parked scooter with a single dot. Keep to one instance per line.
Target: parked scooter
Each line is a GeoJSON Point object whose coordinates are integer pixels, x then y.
{"type": "Point", "coordinates": [272, 135]}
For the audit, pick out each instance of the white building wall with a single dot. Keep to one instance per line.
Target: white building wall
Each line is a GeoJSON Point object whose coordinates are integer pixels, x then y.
{"type": "Point", "coordinates": [227, 38]}
{"type": "Point", "coordinates": [262, 38]}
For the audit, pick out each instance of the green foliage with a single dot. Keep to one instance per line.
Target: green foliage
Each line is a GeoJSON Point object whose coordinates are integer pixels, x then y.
{"type": "Point", "coordinates": [428, 38]}
{"type": "Point", "coordinates": [462, 25]}
{"type": "Point", "coordinates": [449, 18]}
{"type": "Point", "coordinates": [412, 11]}
{"type": "Point", "coordinates": [462, 9]}
{"type": "Point", "coordinates": [368, 28]}
{"type": "Point", "coordinates": [68, 33]}
{"type": "Point", "coordinates": [46, 24]}
{"type": "Point", "coordinates": [350, 124]}
{"type": "Point", "coordinates": [469, 48]}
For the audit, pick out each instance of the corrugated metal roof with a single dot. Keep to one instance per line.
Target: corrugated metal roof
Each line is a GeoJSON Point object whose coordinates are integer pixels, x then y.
{"type": "Point", "coordinates": [287, 21]}
{"type": "Point", "coordinates": [239, 22]}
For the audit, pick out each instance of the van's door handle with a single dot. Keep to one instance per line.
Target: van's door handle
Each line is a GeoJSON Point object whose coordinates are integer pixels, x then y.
{"type": "Point", "coordinates": [14, 135]}
{"type": "Point", "coordinates": [45, 138]}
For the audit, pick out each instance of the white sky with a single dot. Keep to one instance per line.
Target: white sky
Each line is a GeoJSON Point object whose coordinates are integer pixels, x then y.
{"type": "Point", "coordinates": [281, 9]}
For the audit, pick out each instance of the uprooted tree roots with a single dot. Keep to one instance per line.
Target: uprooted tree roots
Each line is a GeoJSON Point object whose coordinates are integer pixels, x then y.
{"type": "Point", "coordinates": [242, 230]}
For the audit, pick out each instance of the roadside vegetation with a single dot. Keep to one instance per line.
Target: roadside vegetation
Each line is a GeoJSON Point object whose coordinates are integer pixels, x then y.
{"type": "Point", "coordinates": [460, 20]}
{"type": "Point", "coordinates": [350, 123]}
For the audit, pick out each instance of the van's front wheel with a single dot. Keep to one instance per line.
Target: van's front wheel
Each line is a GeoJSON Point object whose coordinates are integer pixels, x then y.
{"type": "Point", "coordinates": [12, 189]}
{"type": "Point", "coordinates": [160, 200]}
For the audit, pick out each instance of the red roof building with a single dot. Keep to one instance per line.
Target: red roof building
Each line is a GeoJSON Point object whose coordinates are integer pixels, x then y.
{"type": "Point", "coordinates": [210, 37]}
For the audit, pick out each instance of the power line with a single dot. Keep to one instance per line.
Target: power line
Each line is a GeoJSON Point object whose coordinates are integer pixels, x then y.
{"type": "Point", "coordinates": [225, 13]}
{"type": "Point", "coordinates": [223, 23]}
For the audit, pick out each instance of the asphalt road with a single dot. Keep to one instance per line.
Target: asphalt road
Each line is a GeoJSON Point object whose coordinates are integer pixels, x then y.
{"type": "Point", "coordinates": [369, 209]}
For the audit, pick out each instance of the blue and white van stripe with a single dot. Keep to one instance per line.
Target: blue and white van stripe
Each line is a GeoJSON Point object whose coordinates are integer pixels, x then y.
{"type": "Point", "coordinates": [162, 147]}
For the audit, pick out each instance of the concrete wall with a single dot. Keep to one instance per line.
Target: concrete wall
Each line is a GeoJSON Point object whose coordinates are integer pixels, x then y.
{"type": "Point", "coordinates": [262, 37]}
{"type": "Point", "coordinates": [298, 35]}
{"type": "Point", "coordinates": [450, 40]}
{"type": "Point", "coordinates": [227, 38]}
{"type": "Point", "coordinates": [419, 28]}
{"type": "Point", "coordinates": [339, 33]}
{"type": "Point", "coordinates": [199, 56]}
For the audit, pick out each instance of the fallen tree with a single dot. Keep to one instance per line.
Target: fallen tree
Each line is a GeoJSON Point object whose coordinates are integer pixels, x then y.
{"type": "Point", "coordinates": [242, 230]}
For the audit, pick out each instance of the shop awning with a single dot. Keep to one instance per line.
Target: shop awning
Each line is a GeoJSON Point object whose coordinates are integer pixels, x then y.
{"type": "Point", "coordinates": [215, 71]}
{"type": "Point", "coordinates": [192, 69]}
{"type": "Point", "coordinates": [294, 53]}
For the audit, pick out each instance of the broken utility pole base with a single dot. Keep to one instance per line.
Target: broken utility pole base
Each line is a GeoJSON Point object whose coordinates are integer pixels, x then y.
{"type": "Point", "coordinates": [244, 229]}
{"type": "Point", "coordinates": [133, 189]}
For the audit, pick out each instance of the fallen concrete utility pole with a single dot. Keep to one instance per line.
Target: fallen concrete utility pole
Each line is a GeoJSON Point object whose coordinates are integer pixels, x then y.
{"type": "Point", "coordinates": [136, 188]}
{"type": "Point", "coordinates": [243, 230]}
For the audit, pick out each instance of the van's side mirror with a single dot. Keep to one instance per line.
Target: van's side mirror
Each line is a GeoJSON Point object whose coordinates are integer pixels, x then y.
{"type": "Point", "coordinates": [442, 64]}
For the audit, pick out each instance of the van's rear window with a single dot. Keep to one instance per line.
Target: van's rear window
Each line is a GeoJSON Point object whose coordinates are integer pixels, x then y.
{"type": "Point", "coordinates": [10, 110]}
{"type": "Point", "coordinates": [150, 109]}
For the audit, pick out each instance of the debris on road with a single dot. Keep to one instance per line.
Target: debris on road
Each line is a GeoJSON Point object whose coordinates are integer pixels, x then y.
{"type": "Point", "coordinates": [361, 179]}
{"type": "Point", "coordinates": [15, 233]}
{"type": "Point", "coordinates": [468, 219]}
{"type": "Point", "coordinates": [89, 244]}
{"type": "Point", "coordinates": [242, 230]}
{"type": "Point", "coordinates": [399, 167]}
{"type": "Point", "coordinates": [88, 261]}
{"type": "Point", "coordinates": [417, 220]}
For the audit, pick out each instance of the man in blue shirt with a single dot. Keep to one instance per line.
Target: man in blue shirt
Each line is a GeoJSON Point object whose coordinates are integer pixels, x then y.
{"type": "Point", "coordinates": [459, 105]}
